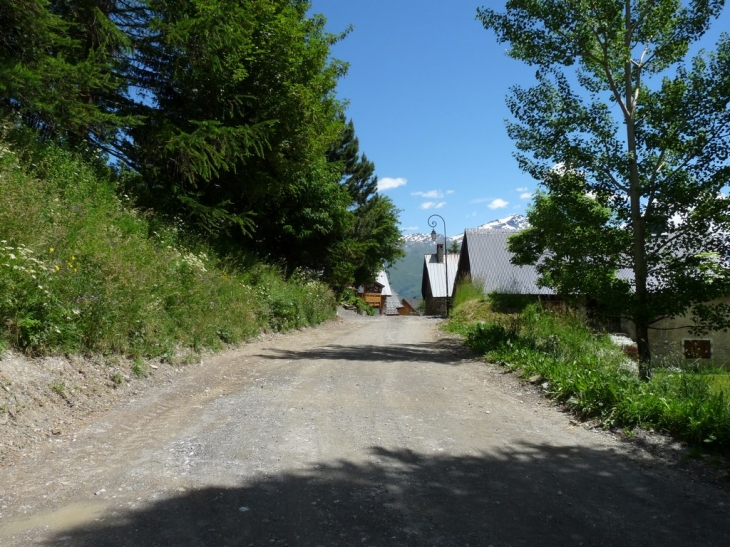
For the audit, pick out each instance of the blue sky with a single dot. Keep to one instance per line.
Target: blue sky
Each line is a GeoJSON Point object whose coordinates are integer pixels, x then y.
{"type": "Point", "coordinates": [426, 90]}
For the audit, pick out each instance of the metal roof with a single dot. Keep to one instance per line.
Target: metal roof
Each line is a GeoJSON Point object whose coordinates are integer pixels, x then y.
{"type": "Point", "coordinates": [488, 260]}
{"type": "Point", "coordinates": [392, 303]}
{"type": "Point", "coordinates": [437, 275]}
{"type": "Point", "coordinates": [382, 279]}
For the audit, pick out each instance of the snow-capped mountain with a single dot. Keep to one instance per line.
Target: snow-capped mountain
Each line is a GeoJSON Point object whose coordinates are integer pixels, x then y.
{"type": "Point", "coordinates": [405, 275]}
{"type": "Point", "coordinates": [513, 222]}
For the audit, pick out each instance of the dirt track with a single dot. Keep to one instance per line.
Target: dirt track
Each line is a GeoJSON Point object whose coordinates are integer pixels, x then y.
{"type": "Point", "coordinates": [367, 431]}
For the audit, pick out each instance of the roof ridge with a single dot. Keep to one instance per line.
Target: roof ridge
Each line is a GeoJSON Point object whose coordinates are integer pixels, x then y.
{"type": "Point", "coordinates": [491, 231]}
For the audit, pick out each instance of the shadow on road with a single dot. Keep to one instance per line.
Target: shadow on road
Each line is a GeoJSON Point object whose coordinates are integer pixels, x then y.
{"type": "Point", "coordinates": [524, 495]}
{"type": "Point", "coordinates": [445, 352]}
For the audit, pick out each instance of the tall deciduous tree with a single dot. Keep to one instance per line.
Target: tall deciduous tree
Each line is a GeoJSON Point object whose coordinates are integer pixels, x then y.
{"type": "Point", "coordinates": [633, 165]}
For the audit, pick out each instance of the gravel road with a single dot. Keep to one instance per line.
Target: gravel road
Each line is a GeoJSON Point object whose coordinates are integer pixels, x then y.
{"type": "Point", "coordinates": [365, 431]}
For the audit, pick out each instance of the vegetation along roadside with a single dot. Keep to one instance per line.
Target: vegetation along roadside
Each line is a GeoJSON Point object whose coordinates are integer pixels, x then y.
{"type": "Point", "coordinates": [83, 271]}
{"type": "Point", "coordinates": [593, 377]}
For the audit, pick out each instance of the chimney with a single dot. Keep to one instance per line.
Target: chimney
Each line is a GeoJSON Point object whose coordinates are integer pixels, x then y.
{"type": "Point", "coordinates": [440, 253]}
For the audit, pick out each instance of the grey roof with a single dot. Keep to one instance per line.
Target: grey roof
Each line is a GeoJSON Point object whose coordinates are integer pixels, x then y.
{"type": "Point", "coordinates": [392, 304]}
{"type": "Point", "coordinates": [489, 262]}
{"type": "Point", "coordinates": [437, 275]}
{"type": "Point", "coordinates": [382, 279]}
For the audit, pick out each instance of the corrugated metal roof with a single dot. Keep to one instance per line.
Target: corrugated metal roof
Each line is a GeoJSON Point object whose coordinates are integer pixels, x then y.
{"type": "Point", "coordinates": [489, 262]}
{"type": "Point", "coordinates": [437, 275]}
{"type": "Point", "coordinates": [392, 303]}
{"type": "Point", "coordinates": [382, 279]}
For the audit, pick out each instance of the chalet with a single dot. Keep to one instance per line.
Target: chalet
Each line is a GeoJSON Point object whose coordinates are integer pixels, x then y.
{"type": "Point", "coordinates": [409, 306]}
{"type": "Point", "coordinates": [377, 293]}
{"type": "Point", "coordinates": [486, 259]}
{"type": "Point", "coordinates": [435, 288]}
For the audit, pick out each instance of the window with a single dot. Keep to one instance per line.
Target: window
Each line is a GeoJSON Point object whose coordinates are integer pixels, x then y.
{"type": "Point", "coordinates": [697, 349]}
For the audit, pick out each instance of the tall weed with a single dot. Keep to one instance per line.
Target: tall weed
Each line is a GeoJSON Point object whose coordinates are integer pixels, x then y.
{"type": "Point", "coordinates": [587, 373]}
{"type": "Point", "coordinates": [93, 274]}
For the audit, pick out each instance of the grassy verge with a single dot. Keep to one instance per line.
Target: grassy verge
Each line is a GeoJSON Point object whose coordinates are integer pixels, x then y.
{"type": "Point", "coordinates": [83, 271]}
{"type": "Point", "coordinates": [591, 376]}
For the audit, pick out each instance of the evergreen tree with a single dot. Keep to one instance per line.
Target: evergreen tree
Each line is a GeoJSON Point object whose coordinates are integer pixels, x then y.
{"type": "Point", "coordinates": [357, 171]}
{"type": "Point", "coordinates": [58, 63]}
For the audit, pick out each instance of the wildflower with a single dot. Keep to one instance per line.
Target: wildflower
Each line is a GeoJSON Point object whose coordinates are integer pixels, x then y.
{"type": "Point", "coordinates": [51, 249]}
{"type": "Point", "coordinates": [56, 266]}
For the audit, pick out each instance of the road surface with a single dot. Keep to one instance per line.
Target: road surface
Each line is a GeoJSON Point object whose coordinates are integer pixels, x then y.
{"type": "Point", "coordinates": [366, 431]}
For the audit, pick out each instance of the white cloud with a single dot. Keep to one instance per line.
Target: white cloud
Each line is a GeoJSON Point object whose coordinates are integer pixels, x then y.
{"type": "Point", "coordinates": [449, 192]}
{"type": "Point", "coordinates": [521, 189]}
{"type": "Point", "coordinates": [432, 205]}
{"type": "Point", "coordinates": [498, 204]}
{"type": "Point", "coordinates": [431, 194]}
{"type": "Point", "coordinates": [388, 183]}
{"type": "Point", "coordinates": [479, 200]}
{"type": "Point", "coordinates": [409, 229]}
{"type": "Point", "coordinates": [526, 195]}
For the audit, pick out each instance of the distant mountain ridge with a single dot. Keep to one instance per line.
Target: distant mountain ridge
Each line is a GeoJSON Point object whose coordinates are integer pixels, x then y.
{"type": "Point", "coordinates": [405, 275]}
{"type": "Point", "coordinates": [512, 222]}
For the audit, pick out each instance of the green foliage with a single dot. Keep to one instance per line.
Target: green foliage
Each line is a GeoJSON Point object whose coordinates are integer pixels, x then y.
{"type": "Point", "coordinates": [96, 275]}
{"type": "Point", "coordinates": [224, 109]}
{"type": "Point", "coordinates": [633, 166]}
{"type": "Point", "coordinates": [240, 120]}
{"type": "Point", "coordinates": [139, 368]}
{"type": "Point", "coordinates": [588, 374]}
{"type": "Point", "coordinates": [510, 302]}
{"type": "Point", "coordinates": [467, 290]}
{"type": "Point", "coordinates": [57, 65]}
{"type": "Point", "coordinates": [357, 171]}
{"type": "Point", "coordinates": [349, 297]}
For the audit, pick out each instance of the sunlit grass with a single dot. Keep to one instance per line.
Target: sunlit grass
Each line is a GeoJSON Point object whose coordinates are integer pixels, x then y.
{"type": "Point", "coordinates": [81, 270]}
{"type": "Point", "coordinates": [587, 373]}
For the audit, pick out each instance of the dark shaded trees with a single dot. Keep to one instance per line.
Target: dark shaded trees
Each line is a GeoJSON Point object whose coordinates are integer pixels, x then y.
{"type": "Point", "coordinates": [226, 110]}
{"type": "Point", "coordinates": [59, 68]}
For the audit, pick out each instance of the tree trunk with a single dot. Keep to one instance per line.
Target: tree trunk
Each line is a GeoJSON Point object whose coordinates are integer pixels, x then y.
{"type": "Point", "coordinates": [642, 342]}
{"type": "Point", "coordinates": [637, 219]}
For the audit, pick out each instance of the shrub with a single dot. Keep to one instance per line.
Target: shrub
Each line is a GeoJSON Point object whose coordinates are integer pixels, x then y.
{"type": "Point", "coordinates": [594, 378]}
{"type": "Point", "coordinates": [97, 275]}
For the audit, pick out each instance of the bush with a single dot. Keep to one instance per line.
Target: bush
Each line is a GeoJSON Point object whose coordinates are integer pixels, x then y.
{"type": "Point", "coordinates": [97, 275]}
{"type": "Point", "coordinates": [594, 378]}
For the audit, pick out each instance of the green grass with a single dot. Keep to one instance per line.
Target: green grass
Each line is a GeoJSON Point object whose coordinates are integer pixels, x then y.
{"type": "Point", "coordinates": [83, 271]}
{"type": "Point", "coordinates": [719, 383]}
{"type": "Point", "coordinates": [587, 373]}
{"type": "Point", "coordinates": [467, 291]}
